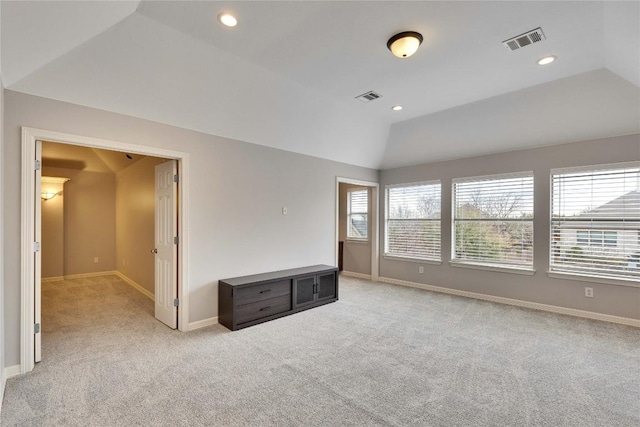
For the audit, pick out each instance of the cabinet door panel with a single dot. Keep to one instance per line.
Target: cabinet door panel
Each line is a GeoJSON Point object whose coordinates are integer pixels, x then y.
{"type": "Point", "coordinates": [326, 286]}
{"type": "Point", "coordinates": [303, 290]}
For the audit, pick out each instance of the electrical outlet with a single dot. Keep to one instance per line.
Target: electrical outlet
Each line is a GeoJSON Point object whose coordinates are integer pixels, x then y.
{"type": "Point", "coordinates": [421, 269]}
{"type": "Point", "coordinates": [284, 210]}
{"type": "Point", "coordinates": [124, 262]}
{"type": "Point", "coordinates": [588, 292]}
{"type": "Point", "coordinates": [96, 260]}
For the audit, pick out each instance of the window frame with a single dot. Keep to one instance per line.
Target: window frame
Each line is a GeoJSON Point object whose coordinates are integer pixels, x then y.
{"type": "Point", "coordinates": [391, 255]}
{"type": "Point", "coordinates": [487, 265]}
{"type": "Point", "coordinates": [349, 213]}
{"type": "Point", "coordinates": [576, 274]}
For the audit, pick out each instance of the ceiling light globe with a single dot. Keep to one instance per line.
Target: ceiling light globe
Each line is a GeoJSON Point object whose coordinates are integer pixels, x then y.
{"type": "Point", "coordinates": [546, 60]}
{"type": "Point", "coordinates": [405, 44]}
{"type": "Point", "coordinates": [227, 19]}
{"type": "Point", "coordinates": [396, 107]}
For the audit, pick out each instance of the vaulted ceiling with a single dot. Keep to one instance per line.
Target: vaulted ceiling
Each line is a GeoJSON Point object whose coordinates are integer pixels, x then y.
{"type": "Point", "coordinates": [288, 74]}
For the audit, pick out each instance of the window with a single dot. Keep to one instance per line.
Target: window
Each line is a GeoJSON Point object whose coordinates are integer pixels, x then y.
{"type": "Point", "coordinates": [595, 221]}
{"type": "Point", "coordinates": [357, 214]}
{"type": "Point", "coordinates": [597, 238]}
{"type": "Point", "coordinates": [412, 228]}
{"type": "Point", "coordinates": [493, 220]}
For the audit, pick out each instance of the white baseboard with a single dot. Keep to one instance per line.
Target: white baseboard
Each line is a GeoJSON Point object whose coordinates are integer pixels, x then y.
{"type": "Point", "coordinates": [78, 276]}
{"type": "Point", "coordinates": [356, 275]}
{"type": "Point", "coordinates": [11, 371]}
{"type": "Point", "coordinates": [519, 303]}
{"type": "Point", "coordinates": [3, 383]}
{"type": "Point", "coordinates": [203, 323]}
{"type": "Point", "coordinates": [136, 286]}
{"type": "Point", "coordinates": [52, 279]}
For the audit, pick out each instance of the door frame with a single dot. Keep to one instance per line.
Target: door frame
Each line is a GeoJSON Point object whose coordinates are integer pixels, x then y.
{"type": "Point", "coordinates": [375, 223]}
{"type": "Point", "coordinates": [28, 198]}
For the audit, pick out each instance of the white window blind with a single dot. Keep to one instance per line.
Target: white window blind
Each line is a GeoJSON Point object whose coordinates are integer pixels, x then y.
{"type": "Point", "coordinates": [413, 221]}
{"type": "Point", "coordinates": [493, 220]}
{"type": "Point", "coordinates": [357, 214]}
{"type": "Point", "coordinates": [595, 221]}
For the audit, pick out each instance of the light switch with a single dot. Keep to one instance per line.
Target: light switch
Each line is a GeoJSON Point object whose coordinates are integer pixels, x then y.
{"type": "Point", "coordinates": [284, 210]}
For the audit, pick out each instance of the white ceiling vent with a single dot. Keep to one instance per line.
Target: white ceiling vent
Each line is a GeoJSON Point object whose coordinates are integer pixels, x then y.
{"type": "Point", "coordinates": [530, 37]}
{"type": "Point", "coordinates": [368, 96]}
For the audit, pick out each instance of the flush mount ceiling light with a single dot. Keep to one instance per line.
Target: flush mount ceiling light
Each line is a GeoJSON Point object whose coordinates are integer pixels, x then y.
{"type": "Point", "coordinates": [396, 107]}
{"type": "Point", "coordinates": [227, 19]}
{"type": "Point", "coordinates": [546, 60]}
{"type": "Point", "coordinates": [405, 44]}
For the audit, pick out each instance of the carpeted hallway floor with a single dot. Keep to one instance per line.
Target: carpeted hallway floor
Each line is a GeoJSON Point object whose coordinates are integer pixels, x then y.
{"type": "Point", "coordinates": [382, 355]}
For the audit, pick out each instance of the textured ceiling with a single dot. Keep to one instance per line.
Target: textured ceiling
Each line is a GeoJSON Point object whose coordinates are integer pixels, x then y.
{"type": "Point", "coordinates": [287, 75]}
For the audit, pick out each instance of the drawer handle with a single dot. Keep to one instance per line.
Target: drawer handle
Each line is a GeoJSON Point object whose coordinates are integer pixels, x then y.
{"type": "Point", "coordinates": [265, 291]}
{"type": "Point", "coordinates": [265, 308]}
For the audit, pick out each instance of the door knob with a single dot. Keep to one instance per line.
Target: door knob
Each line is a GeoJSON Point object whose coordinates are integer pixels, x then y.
{"type": "Point", "coordinates": [154, 251]}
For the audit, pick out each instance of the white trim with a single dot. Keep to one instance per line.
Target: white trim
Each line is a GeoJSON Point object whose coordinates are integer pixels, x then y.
{"type": "Point", "coordinates": [80, 276]}
{"type": "Point", "coordinates": [356, 275]}
{"type": "Point", "coordinates": [27, 262]}
{"type": "Point", "coordinates": [374, 217]}
{"type": "Point", "coordinates": [356, 241]}
{"type": "Point", "coordinates": [410, 259]}
{"type": "Point", "coordinates": [3, 384]}
{"type": "Point", "coordinates": [12, 371]}
{"type": "Point", "coordinates": [488, 267]}
{"type": "Point", "coordinates": [519, 303]}
{"type": "Point", "coordinates": [52, 279]}
{"type": "Point", "coordinates": [27, 297]}
{"type": "Point", "coordinates": [494, 177]}
{"type": "Point", "coordinates": [203, 323]}
{"type": "Point", "coordinates": [415, 184]}
{"type": "Point", "coordinates": [136, 286]}
{"type": "Point", "coordinates": [594, 279]}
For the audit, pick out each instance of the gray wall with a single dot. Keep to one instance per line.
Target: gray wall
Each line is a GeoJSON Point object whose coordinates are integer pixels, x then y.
{"type": "Point", "coordinates": [52, 236]}
{"type": "Point", "coordinates": [89, 221]}
{"type": "Point", "coordinates": [237, 192]}
{"type": "Point", "coordinates": [608, 299]}
{"type": "Point", "coordinates": [2, 299]}
{"type": "Point", "coordinates": [356, 255]}
{"type": "Point", "coordinates": [135, 220]}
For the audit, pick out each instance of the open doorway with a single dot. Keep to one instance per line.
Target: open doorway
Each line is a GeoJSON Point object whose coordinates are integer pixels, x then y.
{"type": "Point", "coordinates": [174, 211]}
{"type": "Point", "coordinates": [97, 214]}
{"type": "Point", "coordinates": [357, 228]}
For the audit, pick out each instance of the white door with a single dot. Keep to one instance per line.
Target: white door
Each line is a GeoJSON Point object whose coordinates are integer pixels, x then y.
{"type": "Point", "coordinates": [166, 244]}
{"type": "Point", "coordinates": [37, 336]}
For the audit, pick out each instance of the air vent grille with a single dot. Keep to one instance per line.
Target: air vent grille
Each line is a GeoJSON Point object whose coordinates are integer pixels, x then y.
{"type": "Point", "coordinates": [368, 96]}
{"type": "Point", "coordinates": [530, 37]}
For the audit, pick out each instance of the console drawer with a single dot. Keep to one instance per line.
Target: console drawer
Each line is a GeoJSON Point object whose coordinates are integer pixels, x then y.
{"type": "Point", "coordinates": [265, 308]}
{"type": "Point", "coordinates": [262, 292]}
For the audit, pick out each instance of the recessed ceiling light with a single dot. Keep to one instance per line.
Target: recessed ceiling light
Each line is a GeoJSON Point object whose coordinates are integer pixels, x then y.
{"type": "Point", "coordinates": [546, 60]}
{"type": "Point", "coordinates": [227, 19]}
{"type": "Point", "coordinates": [396, 107]}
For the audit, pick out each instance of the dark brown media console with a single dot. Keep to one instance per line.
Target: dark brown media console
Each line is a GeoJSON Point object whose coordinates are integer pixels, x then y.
{"type": "Point", "coordinates": [249, 300]}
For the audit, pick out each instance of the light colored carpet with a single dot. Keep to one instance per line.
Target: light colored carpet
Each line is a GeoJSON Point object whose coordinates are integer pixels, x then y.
{"type": "Point", "coordinates": [382, 355]}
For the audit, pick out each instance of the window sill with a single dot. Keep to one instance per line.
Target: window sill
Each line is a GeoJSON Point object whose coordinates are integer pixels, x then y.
{"type": "Point", "coordinates": [595, 279]}
{"type": "Point", "coordinates": [488, 267]}
{"type": "Point", "coordinates": [358, 241]}
{"type": "Point", "coordinates": [417, 260]}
